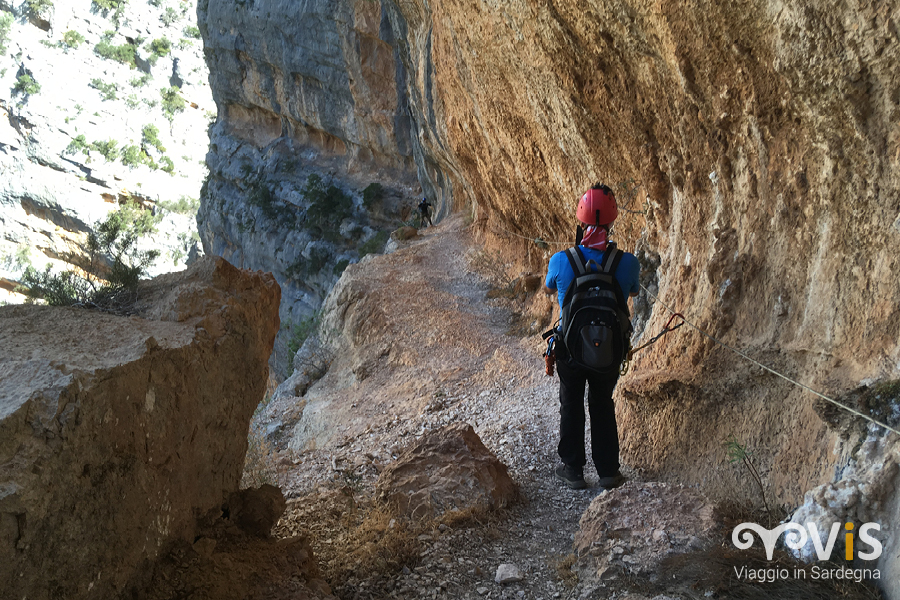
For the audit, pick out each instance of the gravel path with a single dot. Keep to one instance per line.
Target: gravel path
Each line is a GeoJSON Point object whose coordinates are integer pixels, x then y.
{"type": "Point", "coordinates": [505, 396]}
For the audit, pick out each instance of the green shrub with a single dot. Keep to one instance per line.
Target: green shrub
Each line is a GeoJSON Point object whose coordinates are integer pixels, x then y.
{"type": "Point", "coordinates": [299, 332]}
{"type": "Point", "coordinates": [141, 81]}
{"type": "Point", "coordinates": [260, 195]}
{"type": "Point", "coordinates": [172, 102]}
{"type": "Point", "coordinates": [192, 31]}
{"type": "Point", "coordinates": [132, 101]}
{"type": "Point", "coordinates": [340, 266]}
{"type": "Point", "coordinates": [167, 165]}
{"type": "Point", "coordinates": [372, 194]}
{"type": "Point", "coordinates": [109, 149]}
{"type": "Point", "coordinates": [169, 16]}
{"type": "Point", "coordinates": [328, 205]}
{"type": "Point", "coordinates": [108, 268]}
{"type": "Point", "coordinates": [124, 53]}
{"type": "Point", "coordinates": [183, 206]}
{"type": "Point", "coordinates": [374, 244]}
{"type": "Point", "coordinates": [150, 137]}
{"type": "Point", "coordinates": [110, 4]}
{"type": "Point", "coordinates": [6, 21]}
{"type": "Point", "coordinates": [133, 155]}
{"type": "Point", "coordinates": [78, 144]}
{"type": "Point", "coordinates": [304, 268]}
{"type": "Point", "coordinates": [72, 39]}
{"type": "Point", "coordinates": [38, 8]}
{"type": "Point", "coordinates": [160, 47]}
{"type": "Point", "coordinates": [25, 84]}
{"type": "Point", "coordinates": [107, 90]}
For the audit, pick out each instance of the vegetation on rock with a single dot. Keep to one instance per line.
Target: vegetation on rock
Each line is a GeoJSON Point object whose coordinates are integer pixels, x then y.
{"type": "Point", "coordinates": [6, 20]}
{"type": "Point", "coordinates": [123, 53]}
{"type": "Point", "coordinates": [172, 102]}
{"type": "Point", "coordinates": [328, 206]}
{"type": "Point", "coordinates": [72, 39]}
{"type": "Point", "coordinates": [107, 90]}
{"type": "Point", "coordinates": [108, 268]}
{"type": "Point", "coordinates": [38, 8]}
{"type": "Point", "coordinates": [25, 84]}
{"type": "Point", "coordinates": [372, 194]}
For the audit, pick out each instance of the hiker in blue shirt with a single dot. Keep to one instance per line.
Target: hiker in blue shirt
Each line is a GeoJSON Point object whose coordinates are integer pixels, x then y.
{"type": "Point", "coordinates": [596, 210]}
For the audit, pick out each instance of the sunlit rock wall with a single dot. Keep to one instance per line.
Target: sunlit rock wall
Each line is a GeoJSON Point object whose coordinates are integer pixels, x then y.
{"type": "Point", "coordinates": [762, 138]}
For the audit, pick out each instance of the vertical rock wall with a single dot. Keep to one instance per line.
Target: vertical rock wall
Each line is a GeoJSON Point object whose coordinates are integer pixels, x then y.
{"type": "Point", "coordinates": [760, 139]}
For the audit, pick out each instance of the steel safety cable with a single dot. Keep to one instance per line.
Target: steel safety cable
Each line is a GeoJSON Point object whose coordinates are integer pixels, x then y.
{"type": "Point", "coordinates": [771, 370]}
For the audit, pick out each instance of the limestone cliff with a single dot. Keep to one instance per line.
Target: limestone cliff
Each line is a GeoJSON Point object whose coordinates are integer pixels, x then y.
{"type": "Point", "coordinates": [98, 106]}
{"type": "Point", "coordinates": [758, 143]}
{"type": "Point", "coordinates": [118, 433]}
{"type": "Point", "coordinates": [307, 93]}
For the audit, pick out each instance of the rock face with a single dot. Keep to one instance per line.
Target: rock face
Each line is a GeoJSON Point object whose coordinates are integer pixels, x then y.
{"type": "Point", "coordinates": [754, 147]}
{"type": "Point", "coordinates": [632, 528]}
{"type": "Point", "coordinates": [117, 433]}
{"type": "Point", "coordinates": [75, 143]}
{"type": "Point", "coordinates": [449, 469]}
{"type": "Point", "coordinates": [335, 112]}
{"type": "Point", "coordinates": [866, 492]}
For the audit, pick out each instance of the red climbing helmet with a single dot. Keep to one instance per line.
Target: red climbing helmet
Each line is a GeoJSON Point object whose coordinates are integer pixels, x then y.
{"type": "Point", "coordinates": [597, 206]}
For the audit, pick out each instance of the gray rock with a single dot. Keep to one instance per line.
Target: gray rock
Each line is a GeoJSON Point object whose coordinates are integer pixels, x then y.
{"type": "Point", "coordinates": [508, 573]}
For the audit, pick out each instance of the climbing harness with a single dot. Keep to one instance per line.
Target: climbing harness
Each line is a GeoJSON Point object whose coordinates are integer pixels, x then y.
{"type": "Point", "coordinates": [550, 354]}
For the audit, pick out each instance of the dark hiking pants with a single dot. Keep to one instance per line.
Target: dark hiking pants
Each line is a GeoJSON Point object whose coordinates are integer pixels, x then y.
{"type": "Point", "coordinates": [604, 434]}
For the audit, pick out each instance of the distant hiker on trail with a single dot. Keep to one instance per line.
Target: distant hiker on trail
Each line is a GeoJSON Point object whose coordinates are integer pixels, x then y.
{"type": "Point", "coordinates": [424, 212]}
{"type": "Point", "coordinates": [592, 281]}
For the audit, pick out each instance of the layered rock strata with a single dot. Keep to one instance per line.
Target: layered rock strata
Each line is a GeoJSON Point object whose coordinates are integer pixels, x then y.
{"type": "Point", "coordinates": [754, 149]}
{"type": "Point", "coordinates": [118, 433]}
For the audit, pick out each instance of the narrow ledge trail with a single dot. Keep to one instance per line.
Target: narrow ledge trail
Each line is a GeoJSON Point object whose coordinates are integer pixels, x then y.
{"type": "Point", "coordinates": [445, 356]}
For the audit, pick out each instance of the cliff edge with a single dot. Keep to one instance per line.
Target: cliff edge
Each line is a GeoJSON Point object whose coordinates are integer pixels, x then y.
{"type": "Point", "coordinates": [118, 433]}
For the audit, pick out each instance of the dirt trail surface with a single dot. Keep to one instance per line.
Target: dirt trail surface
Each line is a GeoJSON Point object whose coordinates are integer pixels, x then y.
{"type": "Point", "coordinates": [423, 347]}
{"type": "Point", "coordinates": [450, 360]}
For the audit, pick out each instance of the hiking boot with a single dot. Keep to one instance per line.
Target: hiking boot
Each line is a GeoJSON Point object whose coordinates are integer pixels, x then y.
{"type": "Point", "coordinates": [573, 478]}
{"type": "Point", "coordinates": [609, 483]}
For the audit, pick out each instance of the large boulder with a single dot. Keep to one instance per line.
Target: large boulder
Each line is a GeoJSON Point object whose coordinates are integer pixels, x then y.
{"type": "Point", "coordinates": [449, 469]}
{"type": "Point", "coordinates": [116, 433]}
{"type": "Point", "coordinates": [632, 528]}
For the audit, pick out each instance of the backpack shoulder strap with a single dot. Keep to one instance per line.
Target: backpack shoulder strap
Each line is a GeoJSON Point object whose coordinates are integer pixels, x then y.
{"type": "Point", "coordinates": [611, 260]}
{"type": "Point", "coordinates": [576, 260]}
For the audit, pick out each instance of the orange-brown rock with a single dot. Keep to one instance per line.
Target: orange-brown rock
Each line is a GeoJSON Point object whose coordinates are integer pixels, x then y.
{"type": "Point", "coordinates": [449, 469]}
{"type": "Point", "coordinates": [117, 433]}
{"type": "Point", "coordinates": [754, 149]}
{"type": "Point", "coordinates": [633, 527]}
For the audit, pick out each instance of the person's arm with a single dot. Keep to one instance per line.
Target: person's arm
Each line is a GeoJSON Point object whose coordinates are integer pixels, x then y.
{"type": "Point", "coordinates": [635, 276]}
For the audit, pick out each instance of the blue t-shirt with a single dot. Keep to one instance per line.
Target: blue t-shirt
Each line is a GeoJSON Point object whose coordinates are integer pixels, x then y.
{"type": "Point", "coordinates": [560, 273]}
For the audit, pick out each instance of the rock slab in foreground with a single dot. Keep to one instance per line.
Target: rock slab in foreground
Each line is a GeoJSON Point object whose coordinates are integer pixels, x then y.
{"type": "Point", "coordinates": [633, 527]}
{"type": "Point", "coordinates": [116, 433]}
{"type": "Point", "coordinates": [449, 469]}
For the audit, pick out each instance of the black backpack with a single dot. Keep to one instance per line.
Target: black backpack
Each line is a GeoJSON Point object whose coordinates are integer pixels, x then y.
{"type": "Point", "coordinates": [595, 325]}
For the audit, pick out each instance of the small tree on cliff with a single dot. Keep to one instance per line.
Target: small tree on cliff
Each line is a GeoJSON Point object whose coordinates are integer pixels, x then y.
{"type": "Point", "coordinates": [106, 271]}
